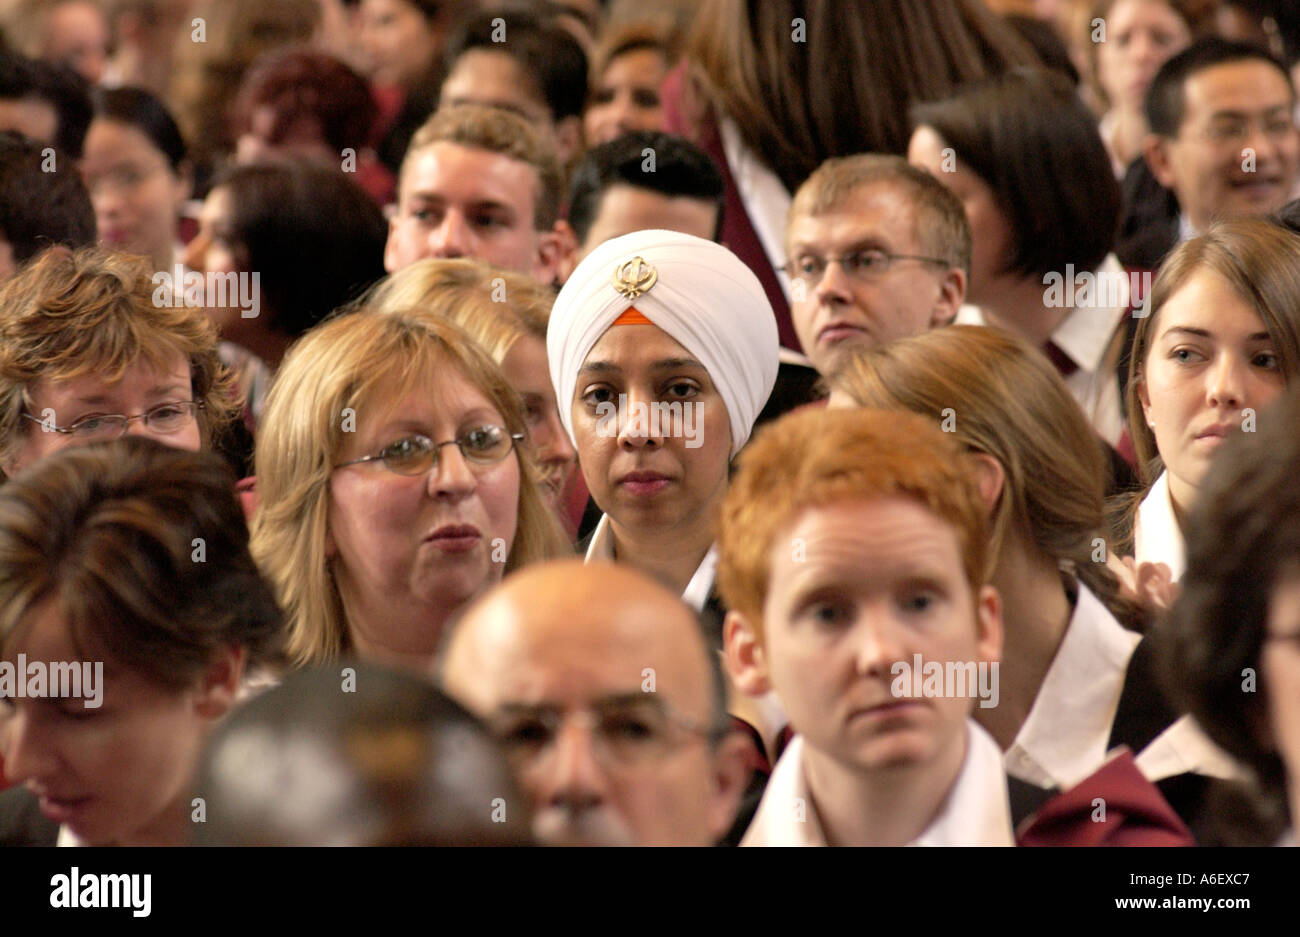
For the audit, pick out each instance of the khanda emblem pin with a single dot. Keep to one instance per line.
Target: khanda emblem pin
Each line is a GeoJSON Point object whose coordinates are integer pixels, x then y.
{"type": "Point", "coordinates": [634, 277]}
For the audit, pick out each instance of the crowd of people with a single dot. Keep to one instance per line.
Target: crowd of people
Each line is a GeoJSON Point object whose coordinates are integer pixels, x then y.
{"type": "Point", "coordinates": [735, 422]}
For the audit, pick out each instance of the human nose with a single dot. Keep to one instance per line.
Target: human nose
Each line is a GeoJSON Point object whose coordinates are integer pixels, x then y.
{"type": "Point", "coordinates": [451, 475]}
{"type": "Point", "coordinates": [28, 754]}
{"type": "Point", "coordinates": [877, 644]}
{"type": "Point", "coordinates": [452, 237]}
{"type": "Point", "coordinates": [638, 425]}
{"type": "Point", "coordinates": [571, 775]}
{"type": "Point", "coordinates": [553, 445]}
{"type": "Point", "coordinates": [834, 285]}
{"type": "Point", "coordinates": [1226, 387]}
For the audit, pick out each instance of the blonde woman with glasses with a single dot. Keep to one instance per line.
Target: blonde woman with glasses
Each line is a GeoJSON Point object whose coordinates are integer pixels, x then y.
{"type": "Point", "coordinates": [392, 487]}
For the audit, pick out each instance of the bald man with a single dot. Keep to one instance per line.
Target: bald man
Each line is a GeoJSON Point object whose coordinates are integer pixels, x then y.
{"type": "Point", "coordinates": [609, 701]}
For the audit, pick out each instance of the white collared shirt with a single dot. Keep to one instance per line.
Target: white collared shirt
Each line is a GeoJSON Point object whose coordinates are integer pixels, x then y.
{"type": "Point", "coordinates": [976, 812]}
{"type": "Point", "coordinates": [1065, 737]}
{"type": "Point", "coordinates": [764, 195]}
{"type": "Point", "coordinates": [696, 594]}
{"type": "Point", "coordinates": [1157, 538]}
{"type": "Point", "coordinates": [69, 838]}
{"type": "Point", "coordinates": [1084, 336]}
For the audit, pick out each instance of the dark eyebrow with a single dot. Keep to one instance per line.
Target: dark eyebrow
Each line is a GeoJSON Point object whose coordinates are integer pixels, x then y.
{"type": "Point", "coordinates": [630, 698]}
{"type": "Point", "coordinates": [672, 364]}
{"type": "Point", "coordinates": [664, 364]}
{"type": "Point", "coordinates": [1202, 333]}
{"type": "Point", "coordinates": [1231, 114]}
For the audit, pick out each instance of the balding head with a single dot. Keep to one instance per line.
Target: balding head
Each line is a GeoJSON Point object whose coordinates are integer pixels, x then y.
{"type": "Point", "coordinates": [645, 764]}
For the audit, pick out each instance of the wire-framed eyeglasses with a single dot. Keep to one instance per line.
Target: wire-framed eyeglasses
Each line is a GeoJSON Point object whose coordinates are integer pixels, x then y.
{"type": "Point", "coordinates": [417, 454]}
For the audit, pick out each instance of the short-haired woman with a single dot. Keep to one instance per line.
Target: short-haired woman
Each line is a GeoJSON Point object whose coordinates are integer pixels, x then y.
{"type": "Point", "coordinates": [128, 561]}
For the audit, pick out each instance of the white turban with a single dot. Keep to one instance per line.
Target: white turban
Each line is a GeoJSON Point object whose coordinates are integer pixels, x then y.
{"type": "Point", "coordinates": [698, 292]}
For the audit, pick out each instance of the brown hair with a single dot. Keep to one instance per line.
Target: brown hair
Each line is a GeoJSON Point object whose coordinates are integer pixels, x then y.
{"type": "Point", "coordinates": [349, 362]}
{"type": "Point", "coordinates": [1030, 138]}
{"type": "Point", "coordinates": [1243, 541]}
{"type": "Point", "coordinates": [1261, 262]}
{"type": "Point", "coordinates": [497, 131]}
{"type": "Point", "coordinates": [92, 311]}
{"type": "Point", "coordinates": [889, 54]}
{"type": "Point", "coordinates": [206, 75]}
{"type": "Point", "coordinates": [1006, 400]}
{"type": "Point", "coordinates": [814, 458]}
{"type": "Point", "coordinates": [942, 229]}
{"type": "Point", "coordinates": [110, 531]}
{"type": "Point", "coordinates": [656, 35]}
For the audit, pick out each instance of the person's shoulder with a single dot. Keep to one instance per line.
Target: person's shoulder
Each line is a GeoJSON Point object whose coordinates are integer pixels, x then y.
{"type": "Point", "coordinates": [1115, 806]}
{"type": "Point", "coordinates": [21, 820]}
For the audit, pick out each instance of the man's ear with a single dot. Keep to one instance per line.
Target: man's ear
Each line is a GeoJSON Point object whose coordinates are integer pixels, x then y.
{"type": "Point", "coordinates": [988, 624]}
{"type": "Point", "coordinates": [745, 655]}
{"type": "Point", "coordinates": [557, 251]}
{"type": "Point", "coordinates": [731, 772]}
{"type": "Point", "coordinates": [952, 293]}
{"type": "Point", "coordinates": [220, 682]}
{"type": "Point", "coordinates": [1155, 150]}
{"type": "Point", "coordinates": [989, 478]}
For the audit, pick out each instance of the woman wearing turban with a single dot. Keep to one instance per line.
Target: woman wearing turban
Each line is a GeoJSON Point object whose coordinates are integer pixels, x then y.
{"type": "Point", "coordinates": [663, 350]}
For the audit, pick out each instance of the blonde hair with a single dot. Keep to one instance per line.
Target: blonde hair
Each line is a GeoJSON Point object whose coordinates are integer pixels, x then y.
{"type": "Point", "coordinates": [495, 307]}
{"type": "Point", "coordinates": [348, 362]}
{"type": "Point", "coordinates": [92, 311]}
{"type": "Point", "coordinates": [1006, 400]}
{"type": "Point", "coordinates": [501, 132]}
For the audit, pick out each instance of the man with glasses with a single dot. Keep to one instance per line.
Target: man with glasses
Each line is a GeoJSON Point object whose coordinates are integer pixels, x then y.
{"type": "Point", "coordinates": [611, 706]}
{"type": "Point", "coordinates": [877, 250]}
{"type": "Point", "coordinates": [1223, 134]}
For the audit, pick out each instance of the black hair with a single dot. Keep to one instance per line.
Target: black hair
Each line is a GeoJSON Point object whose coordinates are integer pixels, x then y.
{"type": "Point", "coordinates": [39, 208]}
{"type": "Point", "coordinates": [1165, 99]}
{"type": "Point", "coordinates": [1027, 135]}
{"type": "Point", "coordinates": [547, 52]}
{"type": "Point", "coordinates": [62, 88]}
{"type": "Point", "coordinates": [681, 169]}
{"type": "Point", "coordinates": [315, 239]}
{"type": "Point", "coordinates": [141, 110]}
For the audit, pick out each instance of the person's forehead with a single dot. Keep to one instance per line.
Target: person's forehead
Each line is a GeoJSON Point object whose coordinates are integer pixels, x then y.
{"type": "Point", "coordinates": [455, 172]}
{"type": "Point", "coordinates": [891, 535]}
{"type": "Point", "coordinates": [881, 209]}
{"type": "Point", "coordinates": [635, 346]}
{"type": "Point", "coordinates": [141, 375]}
{"type": "Point", "coordinates": [494, 79]}
{"type": "Point", "coordinates": [567, 645]}
{"type": "Point", "coordinates": [443, 395]}
{"type": "Point", "coordinates": [1247, 87]}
